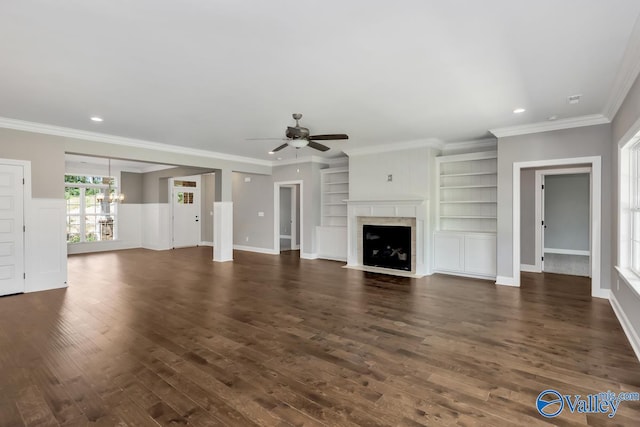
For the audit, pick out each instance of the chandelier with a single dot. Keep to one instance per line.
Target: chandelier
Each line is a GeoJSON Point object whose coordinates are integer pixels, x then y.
{"type": "Point", "coordinates": [113, 196]}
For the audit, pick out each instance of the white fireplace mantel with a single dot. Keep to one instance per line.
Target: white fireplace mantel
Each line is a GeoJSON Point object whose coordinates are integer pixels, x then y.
{"type": "Point", "coordinates": [400, 208]}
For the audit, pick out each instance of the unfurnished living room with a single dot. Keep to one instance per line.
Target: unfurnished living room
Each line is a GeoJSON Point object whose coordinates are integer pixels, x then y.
{"type": "Point", "coordinates": [337, 213]}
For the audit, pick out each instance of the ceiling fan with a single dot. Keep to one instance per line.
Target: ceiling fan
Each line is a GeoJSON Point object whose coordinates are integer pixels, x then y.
{"type": "Point", "coordinates": [298, 137]}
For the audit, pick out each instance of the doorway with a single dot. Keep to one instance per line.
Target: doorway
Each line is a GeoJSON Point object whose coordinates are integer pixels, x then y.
{"type": "Point", "coordinates": [595, 163]}
{"type": "Point", "coordinates": [563, 205]}
{"type": "Point", "coordinates": [11, 229]}
{"type": "Point", "coordinates": [185, 210]}
{"type": "Point", "coordinates": [289, 210]}
{"type": "Point", "coordinates": [288, 216]}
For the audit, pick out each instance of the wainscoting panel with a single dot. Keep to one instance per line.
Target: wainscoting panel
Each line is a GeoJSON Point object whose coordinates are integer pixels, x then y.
{"type": "Point", "coordinates": [46, 245]}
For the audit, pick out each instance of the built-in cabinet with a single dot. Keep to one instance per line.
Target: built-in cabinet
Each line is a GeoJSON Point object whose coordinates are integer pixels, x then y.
{"type": "Point", "coordinates": [466, 219]}
{"type": "Point", "coordinates": [332, 234]}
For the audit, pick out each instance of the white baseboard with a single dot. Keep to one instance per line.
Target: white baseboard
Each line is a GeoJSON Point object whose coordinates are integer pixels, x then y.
{"type": "Point", "coordinates": [296, 247]}
{"type": "Point", "coordinates": [530, 268]}
{"type": "Point", "coordinates": [332, 258]}
{"type": "Point", "coordinates": [601, 293]}
{"type": "Point", "coordinates": [627, 327]}
{"type": "Point", "coordinates": [304, 255]}
{"type": "Point", "coordinates": [506, 281]}
{"type": "Point", "coordinates": [157, 248]}
{"type": "Point", "coordinates": [255, 249]}
{"type": "Point", "coordinates": [203, 243]}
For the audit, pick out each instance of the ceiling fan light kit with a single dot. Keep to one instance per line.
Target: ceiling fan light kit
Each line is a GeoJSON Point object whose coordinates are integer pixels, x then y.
{"type": "Point", "coordinates": [298, 137]}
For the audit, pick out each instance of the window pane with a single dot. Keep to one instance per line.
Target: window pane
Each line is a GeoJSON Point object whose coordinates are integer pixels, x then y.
{"type": "Point", "coordinates": [90, 228]}
{"type": "Point", "coordinates": [73, 229]}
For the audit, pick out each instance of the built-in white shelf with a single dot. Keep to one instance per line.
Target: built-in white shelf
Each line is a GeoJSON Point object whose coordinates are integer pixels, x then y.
{"type": "Point", "coordinates": [332, 234]}
{"type": "Point", "coordinates": [466, 221]}
{"type": "Point", "coordinates": [447, 175]}
{"type": "Point", "coordinates": [468, 216]}
{"type": "Point", "coordinates": [449, 187]}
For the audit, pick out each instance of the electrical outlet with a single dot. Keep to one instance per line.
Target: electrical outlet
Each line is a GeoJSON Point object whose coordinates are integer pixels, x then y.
{"type": "Point", "coordinates": [247, 179]}
{"type": "Point", "coordinates": [246, 239]}
{"type": "Point", "coordinates": [260, 213]}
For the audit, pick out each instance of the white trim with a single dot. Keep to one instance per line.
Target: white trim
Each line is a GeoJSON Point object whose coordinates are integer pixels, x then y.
{"type": "Point", "coordinates": [602, 293]}
{"type": "Point", "coordinates": [627, 73]}
{"type": "Point", "coordinates": [481, 144]}
{"type": "Point", "coordinates": [285, 236]}
{"type": "Point", "coordinates": [506, 281]}
{"type": "Point", "coordinates": [568, 123]}
{"type": "Point", "coordinates": [255, 249]}
{"type": "Point", "coordinates": [490, 278]}
{"type": "Point", "coordinates": [398, 146]}
{"type": "Point", "coordinates": [305, 255]}
{"type": "Point", "coordinates": [627, 326]}
{"type": "Point", "coordinates": [596, 213]}
{"type": "Point", "coordinates": [276, 213]}
{"type": "Point", "coordinates": [566, 251]}
{"type": "Point", "coordinates": [119, 140]}
{"type": "Point", "coordinates": [204, 243]}
{"type": "Point", "coordinates": [467, 156]}
{"type": "Point", "coordinates": [530, 268]}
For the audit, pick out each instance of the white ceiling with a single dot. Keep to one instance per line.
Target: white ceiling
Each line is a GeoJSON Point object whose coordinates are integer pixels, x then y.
{"type": "Point", "coordinates": [209, 74]}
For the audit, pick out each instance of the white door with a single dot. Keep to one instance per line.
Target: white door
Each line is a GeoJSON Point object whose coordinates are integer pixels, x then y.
{"type": "Point", "coordinates": [185, 201]}
{"type": "Point", "coordinates": [11, 229]}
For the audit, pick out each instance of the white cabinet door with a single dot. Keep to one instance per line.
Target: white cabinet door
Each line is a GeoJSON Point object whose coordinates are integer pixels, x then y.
{"type": "Point", "coordinates": [11, 230]}
{"type": "Point", "coordinates": [480, 254]}
{"type": "Point", "coordinates": [449, 252]}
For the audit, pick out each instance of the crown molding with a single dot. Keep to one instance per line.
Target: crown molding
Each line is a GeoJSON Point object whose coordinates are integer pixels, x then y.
{"type": "Point", "coordinates": [395, 146]}
{"type": "Point", "coordinates": [23, 125]}
{"type": "Point", "coordinates": [627, 73]}
{"type": "Point", "coordinates": [483, 144]}
{"type": "Point", "coordinates": [572, 122]}
{"type": "Point", "coordinates": [305, 159]}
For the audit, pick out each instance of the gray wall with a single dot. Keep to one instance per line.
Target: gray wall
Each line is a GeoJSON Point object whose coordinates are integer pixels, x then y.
{"type": "Point", "coordinates": [207, 191]}
{"type": "Point", "coordinates": [46, 154]}
{"type": "Point", "coordinates": [155, 185]}
{"type": "Point", "coordinates": [566, 211]}
{"type": "Point", "coordinates": [561, 144]}
{"type": "Point", "coordinates": [131, 187]}
{"type": "Point", "coordinates": [412, 172]}
{"type": "Point", "coordinates": [249, 198]}
{"type": "Point", "coordinates": [528, 216]}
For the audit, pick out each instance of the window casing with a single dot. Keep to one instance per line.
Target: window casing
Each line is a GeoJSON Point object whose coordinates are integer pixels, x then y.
{"type": "Point", "coordinates": [90, 219]}
{"type": "Point", "coordinates": [634, 207]}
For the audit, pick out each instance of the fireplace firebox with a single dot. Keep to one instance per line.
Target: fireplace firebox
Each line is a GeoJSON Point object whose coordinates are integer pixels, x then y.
{"type": "Point", "coordinates": [387, 246]}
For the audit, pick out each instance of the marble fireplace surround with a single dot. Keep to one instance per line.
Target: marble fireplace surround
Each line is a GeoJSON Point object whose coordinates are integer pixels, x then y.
{"type": "Point", "coordinates": [408, 212]}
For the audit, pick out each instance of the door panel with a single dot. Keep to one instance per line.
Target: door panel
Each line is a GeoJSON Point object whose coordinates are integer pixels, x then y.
{"type": "Point", "coordinates": [11, 229]}
{"type": "Point", "coordinates": [185, 199]}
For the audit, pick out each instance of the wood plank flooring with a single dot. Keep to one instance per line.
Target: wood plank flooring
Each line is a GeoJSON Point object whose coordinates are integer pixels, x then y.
{"type": "Point", "coordinates": [170, 338]}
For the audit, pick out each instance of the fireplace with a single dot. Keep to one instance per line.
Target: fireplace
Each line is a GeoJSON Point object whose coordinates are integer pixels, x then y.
{"type": "Point", "coordinates": [387, 246]}
{"type": "Point", "coordinates": [392, 219]}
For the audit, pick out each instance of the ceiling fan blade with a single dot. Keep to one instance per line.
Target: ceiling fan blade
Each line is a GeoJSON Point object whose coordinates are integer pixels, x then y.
{"type": "Point", "coordinates": [279, 148]}
{"type": "Point", "coordinates": [265, 139]}
{"type": "Point", "coordinates": [329, 137]}
{"type": "Point", "coordinates": [317, 146]}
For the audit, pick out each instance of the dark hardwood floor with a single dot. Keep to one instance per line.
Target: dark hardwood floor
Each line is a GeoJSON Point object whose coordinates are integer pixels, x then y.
{"type": "Point", "coordinates": [171, 338]}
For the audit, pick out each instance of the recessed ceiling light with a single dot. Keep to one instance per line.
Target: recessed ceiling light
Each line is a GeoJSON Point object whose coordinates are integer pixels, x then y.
{"type": "Point", "coordinates": [271, 152]}
{"type": "Point", "coordinates": [97, 119]}
{"type": "Point", "coordinates": [552, 118]}
{"type": "Point", "coordinates": [279, 158]}
{"type": "Point", "coordinates": [519, 110]}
